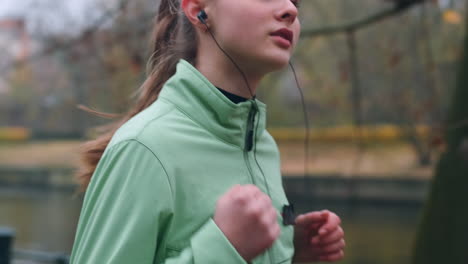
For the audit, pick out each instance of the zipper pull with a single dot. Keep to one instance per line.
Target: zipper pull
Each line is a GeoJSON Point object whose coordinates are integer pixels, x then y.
{"type": "Point", "coordinates": [289, 218]}
{"type": "Point", "coordinates": [250, 128]}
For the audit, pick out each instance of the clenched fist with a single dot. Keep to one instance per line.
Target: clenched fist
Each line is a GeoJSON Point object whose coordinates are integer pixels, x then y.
{"type": "Point", "coordinates": [318, 236]}
{"type": "Point", "coordinates": [248, 219]}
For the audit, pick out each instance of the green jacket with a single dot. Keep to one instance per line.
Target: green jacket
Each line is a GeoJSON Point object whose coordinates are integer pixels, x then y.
{"type": "Point", "coordinates": [154, 191]}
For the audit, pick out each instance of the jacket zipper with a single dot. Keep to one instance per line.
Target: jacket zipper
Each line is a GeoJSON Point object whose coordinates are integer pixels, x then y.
{"type": "Point", "coordinates": [249, 136]}
{"type": "Point", "coordinates": [248, 140]}
{"type": "Point", "coordinates": [248, 146]}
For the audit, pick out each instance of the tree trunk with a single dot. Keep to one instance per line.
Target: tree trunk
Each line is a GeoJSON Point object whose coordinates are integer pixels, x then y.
{"type": "Point", "coordinates": [443, 231]}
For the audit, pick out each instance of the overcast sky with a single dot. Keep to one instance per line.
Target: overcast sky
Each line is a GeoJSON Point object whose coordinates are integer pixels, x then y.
{"type": "Point", "coordinates": [52, 15]}
{"type": "Point", "coordinates": [55, 16]}
{"type": "Point", "coordinates": [15, 7]}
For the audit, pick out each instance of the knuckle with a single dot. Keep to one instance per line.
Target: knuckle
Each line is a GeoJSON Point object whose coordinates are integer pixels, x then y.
{"type": "Point", "coordinates": [337, 255]}
{"type": "Point", "coordinates": [339, 246]}
{"type": "Point", "coordinates": [266, 199]}
{"type": "Point", "coordinates": [251, 188]}
{"type": "Point", "coordinates": [336, 249]}
{"type": "Point", "coordinates": [240, 199]}
{"type": "Point", "coordinates": [221, 201]}
{"type": "Point", "coordinates": [333, 257]}
{"type": "Point", "coordinates": [273, 234]}
{"type": "Point", "coordinates": [250, 191]}
{"type": "Point", "coordinates": [330, 249]}
{"type": "Point", "coordinates": [273, 214]}
{"type": "Point", "coordinates": [271, 237]}
{"type": "Point", "coordinates": [340, 232]}
{"type": "Point", "coordinates": [339, 220]}
{"type": "Point", "coordinates": [255, 212]}
{"type": "Point", "coordinates": [234, 189]}
{"type": "Point", "coordinates": [265, 221]}
{"type": "Point", "coordinates": [277, 230]}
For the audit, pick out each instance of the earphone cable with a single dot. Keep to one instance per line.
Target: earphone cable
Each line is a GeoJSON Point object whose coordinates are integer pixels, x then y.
{"type": "Point", "coordinates": [256, 107]}
{"type": "Point", "coordinates": [306, 119]}
{"type": "Point", "coordinates": [254, 102]}
{"type": "Point", "coordinates": [235, 64]}
{"type": "Point", "coordinates": [306, 122]}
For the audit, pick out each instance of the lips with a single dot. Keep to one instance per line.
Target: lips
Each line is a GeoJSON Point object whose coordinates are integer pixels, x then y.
{"type": "Point", "coordinates": [284, 33]}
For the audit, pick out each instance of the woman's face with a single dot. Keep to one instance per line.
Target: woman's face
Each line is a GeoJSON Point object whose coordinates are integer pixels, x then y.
{"type": "Point", "coordinates": [244, 29]}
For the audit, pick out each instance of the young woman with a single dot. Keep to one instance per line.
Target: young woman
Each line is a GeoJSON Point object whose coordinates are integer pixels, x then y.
{"type": "Point", "coordinates": [190, 175]}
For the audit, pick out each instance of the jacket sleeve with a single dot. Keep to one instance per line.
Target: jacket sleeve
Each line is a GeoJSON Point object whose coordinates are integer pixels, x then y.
{"type": "Point", "coordinates": [127, 211]}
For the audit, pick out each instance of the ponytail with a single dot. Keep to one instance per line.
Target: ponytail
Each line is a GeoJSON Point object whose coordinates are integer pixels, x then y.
{"type": "Point", "coordinates": [173, 38]}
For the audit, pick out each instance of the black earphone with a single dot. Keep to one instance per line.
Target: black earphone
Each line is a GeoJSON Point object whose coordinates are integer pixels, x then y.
{"type": "Point", "coordinates": [202, 16]}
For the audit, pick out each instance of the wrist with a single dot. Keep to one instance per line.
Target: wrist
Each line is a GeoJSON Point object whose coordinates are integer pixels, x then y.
{"type": "Point", "coordinates": [232, 238]}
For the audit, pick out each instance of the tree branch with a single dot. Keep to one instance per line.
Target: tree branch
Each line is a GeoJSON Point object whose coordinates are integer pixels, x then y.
{"type": "Point", "coordinates": [400, 7]}
{"type": "Point", "coordinates": [109, 14]}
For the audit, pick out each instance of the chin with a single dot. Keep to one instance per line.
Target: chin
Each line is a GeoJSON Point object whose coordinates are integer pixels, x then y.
{"type": "Point", "coordinates": [276, 58]}
{"type": "Point", "coordinates": [272, 61]}
{"type": "Point", "coordinates": [276, 63]}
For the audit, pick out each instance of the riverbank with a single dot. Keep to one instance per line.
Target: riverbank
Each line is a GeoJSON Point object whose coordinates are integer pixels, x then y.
{"type": "Point", "coordinates": [379, 190]}
{"type": "Point", "coordinates": [344, 159]}
{"type": "Point", "coordinates": [322, 187]}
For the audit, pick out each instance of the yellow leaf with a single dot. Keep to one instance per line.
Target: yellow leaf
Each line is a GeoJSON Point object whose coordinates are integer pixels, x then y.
{"type": "Point", "coordinates": [451, 16]}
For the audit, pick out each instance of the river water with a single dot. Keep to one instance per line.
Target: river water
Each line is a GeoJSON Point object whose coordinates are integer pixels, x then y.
{"type": "Point", "coordinates": [375, 234]}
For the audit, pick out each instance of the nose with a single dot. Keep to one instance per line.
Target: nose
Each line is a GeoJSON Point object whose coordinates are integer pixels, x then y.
{"type": "Point", "coordinates": [288, 13]}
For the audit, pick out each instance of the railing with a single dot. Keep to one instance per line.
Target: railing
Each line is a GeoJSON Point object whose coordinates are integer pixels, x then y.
{"type": "Point", "coordinates": [7, 253]}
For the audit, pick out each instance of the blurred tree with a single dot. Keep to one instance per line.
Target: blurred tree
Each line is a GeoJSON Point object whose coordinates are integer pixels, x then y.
{"type": "Point", "coordinates": [102, 64]}
{"type": "Point", "coordinates": [21, 82]}
{"type": "Point", "coordinates": [443, 231]}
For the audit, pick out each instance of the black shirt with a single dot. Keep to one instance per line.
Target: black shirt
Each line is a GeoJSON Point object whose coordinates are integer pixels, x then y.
{"type": "Point", "coordinates": [233, 97]}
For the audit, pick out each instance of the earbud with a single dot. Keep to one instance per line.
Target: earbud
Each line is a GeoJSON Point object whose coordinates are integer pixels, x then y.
{"type": "Point", "coordinates": [202, 16]}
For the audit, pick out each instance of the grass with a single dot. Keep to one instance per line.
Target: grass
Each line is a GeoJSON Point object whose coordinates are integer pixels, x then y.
{"type": "Point", "coordinates": [39, 154]}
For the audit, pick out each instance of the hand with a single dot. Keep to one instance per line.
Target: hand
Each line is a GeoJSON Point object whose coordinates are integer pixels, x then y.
{"type": "Point", "coordinates": [318, 237]}
{"type": "Point", "coordinates": [248, 220]}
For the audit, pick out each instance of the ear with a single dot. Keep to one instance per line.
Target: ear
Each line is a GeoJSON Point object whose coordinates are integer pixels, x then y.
{"type": "Point", "coordinates": [191, 9]}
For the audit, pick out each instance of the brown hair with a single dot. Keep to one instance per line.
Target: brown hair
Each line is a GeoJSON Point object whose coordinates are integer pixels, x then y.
{"type": "Point", "coordinates": [173, 37]}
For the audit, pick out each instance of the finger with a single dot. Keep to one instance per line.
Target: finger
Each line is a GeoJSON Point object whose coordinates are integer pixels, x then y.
{"type": "Point", "coordinates": [269, 218]}
{"type": "Point", "coordinates": [266, 203]}
{"type": "Point", "coordinates": [315, 226]}
{"type": "Point", "coordinates": [332, 257]}
{"type": "Point", "coordinates": [252, 189]}
{"type": "Point", "coordinates": [329, 238]}
{"type": "Point", "coordinates": [264, 200]}
{"type": "Point", "coordinates": [333, 221]}
{"type": "Point", "coordinates": [234, 188]}
{"type": "Point", "coordinates": [331, 248]}
{"type": "Point", "coordinates": [252, 192]}
{"type": "Point", "coordinates": [309, 218]}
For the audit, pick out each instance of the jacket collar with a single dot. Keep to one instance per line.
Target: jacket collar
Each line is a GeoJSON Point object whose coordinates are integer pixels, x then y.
{"type": "Point", "coordinates": [202, 102]}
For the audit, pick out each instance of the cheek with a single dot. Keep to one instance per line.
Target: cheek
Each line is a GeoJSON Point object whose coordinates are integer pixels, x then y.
{"type": "Point", "coordinates": [243, 22]}
{"type": "Point", "coordinates": [244, 34]}
{"type": "Point", "coordinates": [247, 26]}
